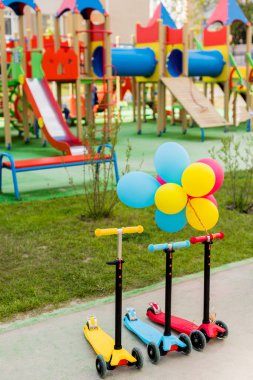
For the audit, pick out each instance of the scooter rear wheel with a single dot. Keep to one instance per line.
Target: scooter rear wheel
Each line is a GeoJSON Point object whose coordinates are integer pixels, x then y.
{"type": "Point", "coordinates": [153, 352]}
{"type": "Point", "coordinates": [101, 366]}
{"type": "Point", "coordinates": [137, 354]}
{"type": "Point", "coordinates": [198, 340]}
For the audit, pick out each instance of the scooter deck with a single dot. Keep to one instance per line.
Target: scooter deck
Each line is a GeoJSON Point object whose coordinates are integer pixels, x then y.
{"type": "Point", "coordinates": [103, 344]}
{"type": "Point", "coordinates": [182, 325]}
{"type": "Point", "coordinates": [145, 332]}
{"type": "Point", "coordinates": [178, 324]}
{"type": "Point", "coordinates": [148, 334]}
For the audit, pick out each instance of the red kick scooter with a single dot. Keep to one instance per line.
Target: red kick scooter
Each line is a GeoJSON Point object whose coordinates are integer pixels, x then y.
{"type": "Point", "coordinates": [208, 329]}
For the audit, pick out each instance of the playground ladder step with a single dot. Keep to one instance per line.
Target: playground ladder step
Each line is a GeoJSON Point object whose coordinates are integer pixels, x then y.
{"type": "Point", "coordinates": [195, 103]}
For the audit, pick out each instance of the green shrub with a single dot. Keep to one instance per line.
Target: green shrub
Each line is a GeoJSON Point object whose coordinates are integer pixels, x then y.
{"type": "Point", "coordinates": [99, 183]}
{"type": "Point", "coordinates": [237, 157]}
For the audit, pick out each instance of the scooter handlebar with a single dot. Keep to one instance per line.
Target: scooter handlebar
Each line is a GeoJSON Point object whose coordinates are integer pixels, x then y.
{"type": "Point", "coordinates": [207, 238]}
{"type": "Point", "coordinates": [115, 231]}
{"type": "Point", "coordinates": [175, 245]}
{"type": "Point", "coordinates": [133, 230]}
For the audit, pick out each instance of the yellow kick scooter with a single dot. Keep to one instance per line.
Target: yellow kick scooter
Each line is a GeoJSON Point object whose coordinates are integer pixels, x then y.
{"type": "Point", "coordinates": [110, 353]}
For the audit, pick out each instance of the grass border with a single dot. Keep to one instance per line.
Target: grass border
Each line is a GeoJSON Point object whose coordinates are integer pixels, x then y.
{"type": "Point", "coordinates": [4, 328]}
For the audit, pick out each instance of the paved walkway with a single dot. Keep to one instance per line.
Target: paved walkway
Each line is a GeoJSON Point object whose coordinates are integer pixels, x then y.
{"type": "Point", "coordinates": [54, 348]}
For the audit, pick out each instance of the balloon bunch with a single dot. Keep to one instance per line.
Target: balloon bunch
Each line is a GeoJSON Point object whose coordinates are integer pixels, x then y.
{"type": "Point", "coordinates": [182, 191]}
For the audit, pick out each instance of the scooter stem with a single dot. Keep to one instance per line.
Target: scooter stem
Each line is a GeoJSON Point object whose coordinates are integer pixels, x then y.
{"type": "Point", "coordinates": [118, 301]}
{"type": "Point", "coordinates": [168, 291]}
{"type": "Point", "coordinates": [207, 264]}
{"type": "Point", "coordinates": [118, 293]}
{"type": "Point", "coordinates": [207, 241]}
{"type": "Point", "coordinates": [119, 273]}
{"type": "Point", "coordinates": [118, 305]}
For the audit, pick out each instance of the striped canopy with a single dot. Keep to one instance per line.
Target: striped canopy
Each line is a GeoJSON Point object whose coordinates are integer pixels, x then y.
{"type": "Point", "coordinates": [18, 6]}
{"type": "Point", "coordinates": [67, 5]}
{"type": "Point", "coordinates": [227, 12]}
{"type": "Point", "coordinates": [162, 13]}
{"type": "Point", "coordinates": [84, 7]}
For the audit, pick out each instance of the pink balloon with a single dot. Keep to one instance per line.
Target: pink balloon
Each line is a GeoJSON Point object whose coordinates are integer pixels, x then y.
{"type": "Point", "coordinates": [160, 180]}
{"type": "Point", "coordinates": [212, 199]}
{"type": "Point", "coordinates": [218, 171]}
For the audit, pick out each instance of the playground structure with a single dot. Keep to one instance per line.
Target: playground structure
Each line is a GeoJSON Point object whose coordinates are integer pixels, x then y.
{"type": "Point", "coordinates": [159, 56]}
{"type": "Point", "coordinates": [228, 13]}
{"type": "Point", "coordinates": [18, 8]}
{"type": "Point", "coordinates": [213, 62]}
{"type": "Point", "coordinates": [59, 63]}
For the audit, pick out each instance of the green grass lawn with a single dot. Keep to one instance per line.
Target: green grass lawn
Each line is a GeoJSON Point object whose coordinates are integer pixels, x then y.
{"type": "Point", "coordinates": [49, 255]}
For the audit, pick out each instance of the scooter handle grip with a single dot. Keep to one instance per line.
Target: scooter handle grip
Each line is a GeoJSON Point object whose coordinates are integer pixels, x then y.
{"type": "Point", "coordinates": [133, 230]}
{"type": "Point", "coordinates": [106, 232]}
{"type": "Point", "coordinates": [203, 239]}
{"type": "Point", "coordinates": [115, 231]}
{"type": "Point", "coordinates": [162, 247]}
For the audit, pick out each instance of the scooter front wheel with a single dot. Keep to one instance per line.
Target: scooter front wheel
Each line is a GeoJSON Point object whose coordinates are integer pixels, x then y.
{"type": "Point", "coordinates": [222, 335]}
{"type": "Point", "coordinates": [162, 351]}
{"type": "Point", "coordinates": [187, 341]}
{"type": "Point", "coordinates": [205, 335]}
{"type": "Point", "coordinates": [137, 354]}
{"type": "Point", "coordinates": [198, 340]}
{"type": "Point", "coordinates": [101, 366]}
{"type": "Point", "coordinates": [153, 352]}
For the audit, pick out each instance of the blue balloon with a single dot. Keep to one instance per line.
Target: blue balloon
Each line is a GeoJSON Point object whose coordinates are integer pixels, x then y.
{"type": "Point", "coordinates": [171, 222]}
{"type": "Point", "coordinates": [137, 189]}
{"type": "Point", "coordinates": [171, 160]}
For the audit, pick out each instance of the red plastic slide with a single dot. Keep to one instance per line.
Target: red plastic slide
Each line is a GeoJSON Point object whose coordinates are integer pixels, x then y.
{"type": "Point", "coordinates": [55, 127]}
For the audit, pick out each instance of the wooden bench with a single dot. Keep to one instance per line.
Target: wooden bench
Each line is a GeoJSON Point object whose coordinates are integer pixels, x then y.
{"type": "Point", "coordinates": [54, 162]}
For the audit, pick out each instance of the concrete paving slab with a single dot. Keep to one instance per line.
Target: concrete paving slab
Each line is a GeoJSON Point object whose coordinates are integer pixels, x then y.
{"type": "Point", "coordinates": [55, 348]}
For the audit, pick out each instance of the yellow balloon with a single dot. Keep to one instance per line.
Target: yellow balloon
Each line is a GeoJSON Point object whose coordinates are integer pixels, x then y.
{"type": "Point", "coordinates": [170, 198]}
{"type": "Point", "coordinates": [202, 214]}
{"type": "Point", "coordinates": [198, 179]}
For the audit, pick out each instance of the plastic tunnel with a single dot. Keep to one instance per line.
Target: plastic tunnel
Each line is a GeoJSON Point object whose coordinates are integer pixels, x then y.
{"type": "Point", "coordinates": [200, 63]}
{"type": "Point", "coordinates": [126, 62]}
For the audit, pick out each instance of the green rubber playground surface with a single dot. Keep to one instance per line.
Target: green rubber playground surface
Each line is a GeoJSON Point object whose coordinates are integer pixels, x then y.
{"type": "Point", "coordinates": [55, 183]}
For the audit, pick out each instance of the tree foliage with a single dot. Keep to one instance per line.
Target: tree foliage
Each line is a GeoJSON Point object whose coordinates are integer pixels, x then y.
{"type": "Point", "coordinates": [238, 29]}
{"type": "Point", "coordinates": [198, 11]}
{"type": "Point", "coordinates": [194, 10]}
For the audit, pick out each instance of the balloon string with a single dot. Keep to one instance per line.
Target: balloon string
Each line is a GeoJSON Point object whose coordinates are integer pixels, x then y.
{"type": "Point", "coordinates": [195, 212]}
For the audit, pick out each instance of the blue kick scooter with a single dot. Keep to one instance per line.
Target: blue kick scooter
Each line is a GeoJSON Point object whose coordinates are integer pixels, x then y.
{"type": "Point", "coordinates": [159, 344]}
